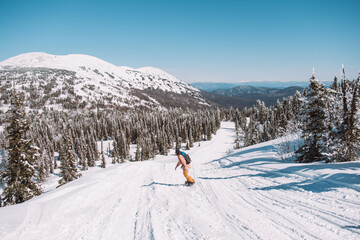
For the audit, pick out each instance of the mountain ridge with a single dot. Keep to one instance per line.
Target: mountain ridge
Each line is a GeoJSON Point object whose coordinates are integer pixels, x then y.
{"type": "Point", "coordinates": [211, 86]}
{"type": "Point", "coordinates": [77, 62]}
{"type": "Point", "coordinates": [252, 94]}
{"type": "Point", "coordinates": [90, 82]}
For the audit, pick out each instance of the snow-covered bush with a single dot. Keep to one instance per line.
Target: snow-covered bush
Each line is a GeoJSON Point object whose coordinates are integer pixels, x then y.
{"type": "Point", "coordinates": [288, 145]}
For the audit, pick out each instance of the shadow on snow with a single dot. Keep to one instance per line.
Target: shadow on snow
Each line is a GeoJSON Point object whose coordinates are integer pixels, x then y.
{"type": "Point", "coordinates": [320, 183]}
{"type": "Point", "coordinates": [163, 184]}
{"type": "Point", "coordinates": [220, 178]}
{"type": "Point", "coordinates": [354, 227]}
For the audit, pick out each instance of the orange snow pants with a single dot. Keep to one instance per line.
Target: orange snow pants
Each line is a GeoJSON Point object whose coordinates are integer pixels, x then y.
{"type": "Point", "coordinates": [185, 171]}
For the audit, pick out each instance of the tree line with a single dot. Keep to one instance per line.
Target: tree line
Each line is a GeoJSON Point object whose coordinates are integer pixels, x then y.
{"type": "Point", "coordinates": [327, 120]}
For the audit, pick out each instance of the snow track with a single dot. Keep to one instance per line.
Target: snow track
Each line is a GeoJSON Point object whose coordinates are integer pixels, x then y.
{"type": "Point", "coordinates": [248, 194]}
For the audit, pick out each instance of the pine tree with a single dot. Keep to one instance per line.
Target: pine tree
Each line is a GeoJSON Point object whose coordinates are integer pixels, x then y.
{"type": "Point", "coordinates": [313, 124]}
{"type": "Point", "coordinates": [191, 138]}
{"type": "Point", "coordinates": [347, 145]}
{"type": "Point", "coordinates": [334, 85]}
{"type": "Point", "coordinates": [237, 139]}
{"type": "Point", "coordinates": [252, 135]}
{"type": "Point", "coordinates": [137, 155]}
{"type": "Point", "coordinates": [115, 153]}
{"type": "Point", "coordinates": [41, 167]}
{"type": "Point", "coordinates": [68, 166]}
{"type": "Point", "coordinates": [353, 133]}
{"type": "Point", "coordinates": [82, 153]}
{"type": "Point", "coordinates": [19, 175]}
{"type": "Point", "coordinates": [91, 153]}
{"type": "Point", "coordinates": [187, 146]}
{"type": "Point", "coordinates": [334, 110]}
{"type": "Point", "coordinates": [103, 163]}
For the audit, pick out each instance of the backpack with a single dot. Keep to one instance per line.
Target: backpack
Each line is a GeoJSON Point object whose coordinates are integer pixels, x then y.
{"type": "Point", "coordinates": [187, 158]}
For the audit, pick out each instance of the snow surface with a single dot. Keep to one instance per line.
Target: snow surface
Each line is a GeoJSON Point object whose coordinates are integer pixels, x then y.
{"type": "Point", "coordinates": [243, 194]}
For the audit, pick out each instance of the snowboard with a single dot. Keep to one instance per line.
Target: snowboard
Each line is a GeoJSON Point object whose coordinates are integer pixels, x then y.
{"type": "Point", "coordinates": [189, 183]}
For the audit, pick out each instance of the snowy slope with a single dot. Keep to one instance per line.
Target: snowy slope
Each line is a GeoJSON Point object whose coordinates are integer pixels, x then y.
{"type": "Point", "coordinates": [91, 79]}
{"type": "Point", "coordinates": [249, 194]}
{"type": "Point", "coordinates": [85, 66]}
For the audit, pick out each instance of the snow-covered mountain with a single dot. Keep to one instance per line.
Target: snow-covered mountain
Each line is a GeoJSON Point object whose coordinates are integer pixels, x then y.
{"type": "Point", "coordinates": [86, 82]}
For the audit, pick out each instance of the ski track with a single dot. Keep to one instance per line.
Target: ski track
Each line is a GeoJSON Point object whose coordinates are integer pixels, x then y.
{"type": "Point", "coordinates": [231, 199]}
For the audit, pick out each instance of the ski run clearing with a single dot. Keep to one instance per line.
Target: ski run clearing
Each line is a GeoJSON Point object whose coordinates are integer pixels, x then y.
{"type": "Point", "coordinates": [243, 194]}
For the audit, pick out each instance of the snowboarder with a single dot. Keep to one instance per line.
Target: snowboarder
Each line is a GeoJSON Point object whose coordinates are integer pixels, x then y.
{"type": "Point", "coordinates": [186, 167]}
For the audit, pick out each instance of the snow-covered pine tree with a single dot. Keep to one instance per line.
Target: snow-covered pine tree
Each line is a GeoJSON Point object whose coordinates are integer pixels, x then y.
{"type": "Point", "coordinates": [266, 135]}
{"type": "Point", "coordinates": [261, 111]}
{"type": "Point", "coordinates": [125, 151]}
{"type": "Point", "coordinates": [19, 175]}
{"type": "Point", "coordinates": [334, 104]}
{"type": "Point", "coordinates": [335, 85]}
{"type": "Point", "coordinates": [252, 135]}
{"type": "Point", "coordinates": [237, 139]}
{"type": "Point", "coordinates": [272, 126]}
{"type": "Point", "coordinates": [92, 150]}
{"type": "Point", "coordinates": [208, 130]}
{"type": "Point", "coordinates": [191, 138]}
{"type": "Point", "coordinates": [103, 162]}
{"type": "Point", "coordinates": [334, 111]}
{"type": "Point", "coordinates": [347, 143]}
{"type": "Point", "coordinates": [42, 171]}
{"type": "Point", "coordinates": [314, 128]}
{"type": "Point", "coordinates": [68, 165]}
{"type": "Point", "coordinates": [137, 154]}
{"type": "Point", "coordinates": [280, 119]}
{"type": "Point", "coordinates": [354, 126]}
{"type": "Point", "coordinates": [296, 107]}
{"type": "Point", "coordinates": [82, 153]}
{"type": "Point", "coordinates": [187, 147]}
{"type": "Point", "coordinates": [115, 154]}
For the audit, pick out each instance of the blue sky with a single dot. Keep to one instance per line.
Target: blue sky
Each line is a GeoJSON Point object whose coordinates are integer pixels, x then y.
{"type": "Point", "coordinates": [222, 41]}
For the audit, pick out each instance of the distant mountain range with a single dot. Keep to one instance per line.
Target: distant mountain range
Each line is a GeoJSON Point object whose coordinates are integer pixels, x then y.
{"type": "Point", "coordinates": [250, 94]}
{"type": "Point", "coordinates": [240, 95]}
{"type": "Point", "coordinates": [251, 90]}
{"type": "Point", "coordinates": [78, 81]}
{"type": "Point", "coordinates": [246, 96]}
{"type": "Point", "coordinates": [211, 86]}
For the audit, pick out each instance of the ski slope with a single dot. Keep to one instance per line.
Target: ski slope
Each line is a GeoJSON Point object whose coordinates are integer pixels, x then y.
{"type": "Point", "coordinates": [245, 194]}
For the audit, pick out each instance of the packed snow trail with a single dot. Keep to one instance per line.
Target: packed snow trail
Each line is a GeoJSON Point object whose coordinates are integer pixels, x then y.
{"type": "Point", "coordinates": [245, 194]}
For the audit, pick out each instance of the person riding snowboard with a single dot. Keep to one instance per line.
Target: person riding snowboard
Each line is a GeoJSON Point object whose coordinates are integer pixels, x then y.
{"type": "Point", "coordinates": [185, 166]}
